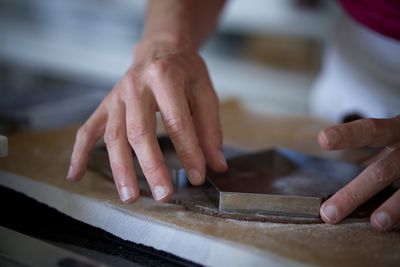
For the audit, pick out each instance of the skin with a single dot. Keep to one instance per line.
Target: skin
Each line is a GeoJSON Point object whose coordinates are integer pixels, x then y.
{"type": "Point", "coordinates": [382, 170]}
{"type": "Point", "coordinates": [169, 76]}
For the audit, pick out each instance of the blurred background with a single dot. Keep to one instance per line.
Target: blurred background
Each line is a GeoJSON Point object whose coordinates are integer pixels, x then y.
{"type": "Point", "coordinates": [58, 59]}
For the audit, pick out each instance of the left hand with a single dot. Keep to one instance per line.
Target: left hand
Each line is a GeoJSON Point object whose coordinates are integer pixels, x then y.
{"type": "Point", "coordinates": [379, 174]}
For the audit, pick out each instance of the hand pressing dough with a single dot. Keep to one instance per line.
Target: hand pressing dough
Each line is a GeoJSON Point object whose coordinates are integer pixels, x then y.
{"type": "Point", "coordinates": [195, 200]}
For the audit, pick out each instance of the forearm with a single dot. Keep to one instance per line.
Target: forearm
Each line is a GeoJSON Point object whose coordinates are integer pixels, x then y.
{"type": "Point", "coordinates": [187, 23]}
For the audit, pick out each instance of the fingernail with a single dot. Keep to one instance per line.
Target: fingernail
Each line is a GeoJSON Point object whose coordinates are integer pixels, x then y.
{"type": "Point", "coordinates": [322, 139]}
{"type": "Point", "coordinates": [222, 159]}
{"type": "Point", "coordinates": [126, 193]}
{"type": "Point", "coordinates": [194, 176]}
{"type": "Point", "coordinates": [382, 220]}
{"type": "Point", "coordinates": [332, 137]}
{"type": "Point", "coordinates": [71, 173]}
{"type": "Point", "coordinates": [160, 192]}
{"type": "Point", "coordinates": [330, 213]}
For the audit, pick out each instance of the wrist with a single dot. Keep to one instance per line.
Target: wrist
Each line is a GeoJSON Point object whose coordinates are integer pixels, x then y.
{"type": "Point", "coordinates": [157, 45]}
{"type": "Point", "coordinates": [177, 39]}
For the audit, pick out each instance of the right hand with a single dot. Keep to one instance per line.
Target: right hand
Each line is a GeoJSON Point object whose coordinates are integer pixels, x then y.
{"type": "Point", "coordinates": [174, 81]}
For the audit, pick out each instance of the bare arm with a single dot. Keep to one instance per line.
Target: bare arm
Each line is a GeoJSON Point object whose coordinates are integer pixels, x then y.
{"type": "Point", "coordinates": [186, 22]}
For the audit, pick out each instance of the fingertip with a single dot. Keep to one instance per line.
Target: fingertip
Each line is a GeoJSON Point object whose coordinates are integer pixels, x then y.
{"type": "Point", "coordinates": [381, 221]}
{"type": "Point", "coordinates": [128, 194]}
{"type": "Point", "coordinates": [329, 138]}
{"type": "Point", "coordinates": [162, 193]}
{"type": "Point", "coordinates": [131, 200]}
{"type": "Point", "coordinates": [221, 169]}
{"type": "Point", "coordinates": [195, 177]}
{"type": "Point", "coordinates": [323, 140]}
{"type": "Point", "coordinates": [222, 164]}
{"type": "Point", "coordinates": [218, 168]}
{"type": "Point", "coordinates": [74, 174]}
{"type": "Point", "coordinates": [73, 180]}
{"type": "Point", "coordinates": [164, 199]}
{"type": "Point", "coordinates": [217, 161]}
{"type": "Point", "coordinates": [329, 213]}
{"type": "Point", "coordinates": [70, 175]}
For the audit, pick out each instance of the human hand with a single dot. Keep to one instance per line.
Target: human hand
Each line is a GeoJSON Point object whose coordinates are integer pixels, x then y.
{"type": "Point", "coordinates": [168, 78]}
{"type": "Point", "coordinates": [383, 171]}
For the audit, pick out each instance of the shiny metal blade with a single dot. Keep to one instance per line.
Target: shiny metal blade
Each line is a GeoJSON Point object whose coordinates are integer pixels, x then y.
{"type": "Point", "coordinates": [278, 181]}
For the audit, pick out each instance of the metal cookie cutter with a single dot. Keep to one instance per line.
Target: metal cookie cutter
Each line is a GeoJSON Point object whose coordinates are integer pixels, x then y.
{"type": "Point", "coordinates": [278, 181]}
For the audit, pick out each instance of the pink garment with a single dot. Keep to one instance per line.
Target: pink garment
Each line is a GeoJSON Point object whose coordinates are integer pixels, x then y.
{"type": "Point", "coordinates": [382, 16]}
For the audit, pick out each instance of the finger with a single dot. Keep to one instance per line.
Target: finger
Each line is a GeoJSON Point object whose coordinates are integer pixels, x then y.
{"type": "Point", "coordinates": [120, 153]}
{"type": "Point", "coordinates": [388, 214]}
{"type": "Point", "coordinates": [86, 137]}
{"type": "Point", "coordinates": [141, 132]}
{"type": "Point", "coordinates": [205, 108]}
{"type": "Point", "coordinates": [169, 90]}
{"type": "Point", "coordinates": [364, 132]}
{"type": "Point", "coordinates": [381, 154]}
{"type": "Point", "coordinates": [372, 180]}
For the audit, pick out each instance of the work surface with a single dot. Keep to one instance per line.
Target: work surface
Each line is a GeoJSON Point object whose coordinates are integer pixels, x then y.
{"type": "Point", "coordinates": [38, 162]}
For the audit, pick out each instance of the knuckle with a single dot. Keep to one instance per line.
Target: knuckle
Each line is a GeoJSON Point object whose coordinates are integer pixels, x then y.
{"type": "Point", "coordinates": [137, 134]}
{"type": "Point", "coordinates": [350, 197]}
{"type": "Point", "coordinates": [112, 99]}
{"type": "Point", "coordinates": [131, 94]}
{"type": "Point", "coordinates": [112, 136]}
{"type": "Point", "coordinates": [120, 171]}
{"type": "Point", "coordinates": [373, 127]}
{"type": "Point", "coordinates": [128, 81]}
{"type": "Point", "coordinates": [108, 99]}
{"type": "Point", "coordinates": [342, 131]}
{"type": "Point", "coordinates": [150, 168]}
{"type": "Point", "coordinates": [175, 126]}
{"type": "Point", "coordinates": [159, 68]}
{"type": "Point", "coordinates": [382, 174]}
{"type": "Point", "coordinates": [82, 133]}
{"type": "Point", "coordinates": [186, 153]}
{"type": "Point", "coordinates": [129, 86]}
{"type": "Point", "coordinates": [167, 67]}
